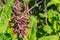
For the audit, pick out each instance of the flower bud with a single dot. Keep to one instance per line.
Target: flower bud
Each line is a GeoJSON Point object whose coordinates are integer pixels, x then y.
{"type": "Point", "coordinates": [15, 31]}
{"type": "Point", "coordinates": [26, 19]}
{"type": "Point", "coordinates": [25, 11]}
{"type": "Point", "coordinates": [21, 22]}
{"type": "Point", "coordinates": [26, 27]}
{"type": "Point", "coordinates": [23, 32]}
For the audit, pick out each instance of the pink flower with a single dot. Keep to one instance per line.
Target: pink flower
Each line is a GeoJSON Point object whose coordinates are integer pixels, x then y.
{"type": "Point", "coordinates": [15, 31]}
{"type": "Point", "coordinates": [26, 27]}
{"type": "Point", "coordinates": [25, 11]}
{"type": "Point", "coordinates": [23, 32]}
{"type": "Point", "coordinates": [21, 22]}
{"type": "Point", "coordinates": [26, 19]}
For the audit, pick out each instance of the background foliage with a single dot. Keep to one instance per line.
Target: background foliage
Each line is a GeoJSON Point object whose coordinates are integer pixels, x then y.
{"type": "Point", "coordinates": [39, 30]}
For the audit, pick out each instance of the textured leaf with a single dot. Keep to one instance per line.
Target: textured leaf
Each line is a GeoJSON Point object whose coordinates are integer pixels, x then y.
{"type": "Point", "coordinates": [52, 15]}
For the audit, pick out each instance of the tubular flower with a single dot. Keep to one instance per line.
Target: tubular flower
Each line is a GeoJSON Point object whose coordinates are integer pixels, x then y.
{"type": "Point", "coordinates": [25, 10]}
{"type": "Point", "coordinates": [26, 27]}
{"type": "Point", "coordinates": [21, 22]}
{"type": "Point", "coordinates": [26, 19]}
{"type": "Point", "coordinates": [15, 31]}
{"type": "Point", "coordinates": [23, 32]}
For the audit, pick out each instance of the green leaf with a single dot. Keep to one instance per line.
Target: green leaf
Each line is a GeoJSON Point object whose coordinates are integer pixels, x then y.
{"type": "Point", "coordinates": [32, 30]}
{"type": "Point", "coordinates": [55, 1]}
{"type": "Point", "coordinates": [47, 29]}
{"type": "Point", "coordinates": [55, 26]}
{"type": "Point", "coordinates": [42, 15]}
{"type": "Point", "coordinates": [5, 15]}
{"type": "Point", "coordinates": [49, 4]}
{"type": "Point", "coordinates": [13, 36]}
{"type": "Point", "coordinates": [58, 7]}
{"type": "Point", "coordinates": [52, 15]}
{"type": "Point", "coordinates": [59, 16]}
{"type": "Point", "coordinates": [52, 37]}
{"type": "Point", "coordinates": [5, 36]}
{"type": "Point", "coordinates": [12, 24]}
{"type": "Point", "coordinates": [10, 31]}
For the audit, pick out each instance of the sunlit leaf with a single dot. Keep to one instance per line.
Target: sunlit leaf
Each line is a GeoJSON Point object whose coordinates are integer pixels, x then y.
{"type": "Point", "coordinates": [55, 1]}
{"type": "Point", "coordinates": [55, 26]}
{"type": "Point", "coordinates": [49, 4]}
{"type": "Point", "coordinates": [5, 16]}
{"type": "Point", "coordinates": [52, 37]}
{"type": "Point", "coordinates": [32, 30]}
